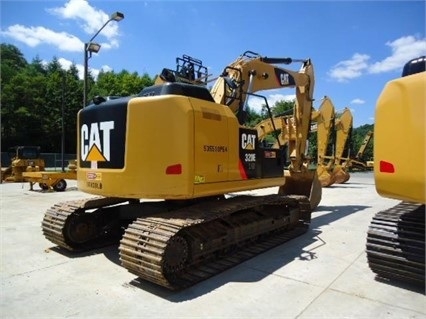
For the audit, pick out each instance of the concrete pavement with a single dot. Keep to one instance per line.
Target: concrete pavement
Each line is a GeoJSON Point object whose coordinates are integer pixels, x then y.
{"type": "Point", "coordinates": [322, 274]}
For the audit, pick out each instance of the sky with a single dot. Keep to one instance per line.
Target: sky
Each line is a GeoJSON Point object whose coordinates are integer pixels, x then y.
{"type": "Point", "coordinates": [355, 46]}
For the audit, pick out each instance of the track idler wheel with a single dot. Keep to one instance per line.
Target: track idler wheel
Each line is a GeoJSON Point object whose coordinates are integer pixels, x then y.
{"type": "Point", "coordinates": [176, 256]}
{"type": "Point", "coordinates": [80, 229]}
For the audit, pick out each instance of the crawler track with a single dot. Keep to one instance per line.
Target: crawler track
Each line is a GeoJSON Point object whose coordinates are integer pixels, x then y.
{"type": "Point", "coordinates": [180, 248]}
{"type": "Point", "coordinates": [396, 243]}
{"type": "Point", "coordinates": [70, 226]}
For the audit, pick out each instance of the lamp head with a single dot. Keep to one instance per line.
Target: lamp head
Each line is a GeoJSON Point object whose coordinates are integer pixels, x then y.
{"type": "Point", "coordinates": [93, 47]}
{"type": "Point", "coordinates": [117, 16]}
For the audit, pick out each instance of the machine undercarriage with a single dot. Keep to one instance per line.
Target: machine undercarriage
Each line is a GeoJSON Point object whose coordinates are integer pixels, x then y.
{"type": "Point", "coordinates": [396, 243]}
{"type": "Point", "coordinates": [178, 247]}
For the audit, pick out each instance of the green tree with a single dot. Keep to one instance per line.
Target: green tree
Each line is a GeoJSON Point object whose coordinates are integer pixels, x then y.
{"type": "Point", "coordinates": [22, 101]}
{"type": "Point", "coordinates": [253, 117]}
{"type": "Point", "coordinates": [121, 84]}
{"type": "Point", "coordinates": [73, 96]}
{"type": "Point", "coordinates": [12, 61]}
{"type": "Point", "coordinates": [37, 67]}
{"type": "Point", "coordinates": [283, 107]}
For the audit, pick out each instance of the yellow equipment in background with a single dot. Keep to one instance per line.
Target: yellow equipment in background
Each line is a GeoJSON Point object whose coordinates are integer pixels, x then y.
{"type": "Point", "coordinates": [52, 180]}
{"type": "Point", "coordinates": [396, 237]}
{"type": "Point", "coordinates": [343, 127]}
{"type": "Point", "coordinates": [192, 165]}
{"type": "Point", "coordinates": [324, 119]}
{"type": "Point", "coordinates": [23, 159]}
{"type": "Point", "coordinates": [358, 163]}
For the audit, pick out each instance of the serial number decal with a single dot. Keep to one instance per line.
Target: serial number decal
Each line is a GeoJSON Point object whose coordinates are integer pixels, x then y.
{"type": "Point", "coordinates": [94, 185]}
{"type": "Point", "coordinates": [215, 148]}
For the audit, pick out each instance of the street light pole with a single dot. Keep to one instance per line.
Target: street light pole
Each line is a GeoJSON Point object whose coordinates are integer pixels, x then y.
{"type": "Point", "coordinates": [94, 47]}
{"type": "Point", "coordinates": [62, 121]}
{"type": "Point", "coordinates": [86, 58]}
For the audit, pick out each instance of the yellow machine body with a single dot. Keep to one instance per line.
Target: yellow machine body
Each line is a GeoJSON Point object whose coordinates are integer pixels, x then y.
{"type": "Point", "coordinates": [193, 153]}
{"type": "Point", "coordinates": [186, 142]}
{"type": "Point", "coordinates": [399, 139]}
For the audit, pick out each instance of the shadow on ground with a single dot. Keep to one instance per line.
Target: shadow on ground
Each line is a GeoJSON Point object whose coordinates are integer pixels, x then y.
{"type": "Point", "coordinates": [403, 285]}
{"type": "Point", "coordinates": [285, 253]}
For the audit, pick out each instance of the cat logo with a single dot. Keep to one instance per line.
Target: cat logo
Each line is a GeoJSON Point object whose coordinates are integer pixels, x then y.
{"type": "Point", "coordinates": [248, 141]}
{"type": "Point", "coordinates": [284, 79]}
{"type": "Point", "coordinates": [95, 143]}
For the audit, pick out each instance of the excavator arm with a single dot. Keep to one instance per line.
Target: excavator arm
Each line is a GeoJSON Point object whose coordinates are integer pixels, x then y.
{"type": "Point", "coordinates": [251, 73]}
{"type": "Point", "coordinates": [358, 163]}
{"type": "Point", "coordinates": [324, 119]}
{"type": "Point", "coordinates": [364, 145]}
{"type": "Point", "coordinates": [343, 132]}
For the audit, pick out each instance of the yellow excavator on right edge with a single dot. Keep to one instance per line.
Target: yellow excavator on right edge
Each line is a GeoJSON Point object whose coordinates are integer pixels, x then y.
{"type": "Point", "coordinates": [396, 236]}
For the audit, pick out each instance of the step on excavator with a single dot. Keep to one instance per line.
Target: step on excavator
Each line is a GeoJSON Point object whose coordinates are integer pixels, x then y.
{"type": "Point", "coordinates": [175, 208]}
{"type": "Point", "coordinates": [396, 236]}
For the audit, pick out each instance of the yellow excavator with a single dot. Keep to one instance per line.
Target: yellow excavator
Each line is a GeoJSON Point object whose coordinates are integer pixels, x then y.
{"type": "Point", "coordinates": [343, 128]}
{"type": "Point", "coordinates": [396, 236]}
{"type": "Point", "coordinates": [324, 118]}
{"type": "Point", "coordinates": [358, 163]}
{"type": "Point", "coordinates": [191, 168]}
